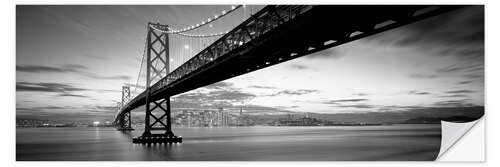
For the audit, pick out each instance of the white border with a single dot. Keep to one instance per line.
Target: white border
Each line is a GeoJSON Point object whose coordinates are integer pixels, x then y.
{"type": "Point", "coordinates": [7, 88]}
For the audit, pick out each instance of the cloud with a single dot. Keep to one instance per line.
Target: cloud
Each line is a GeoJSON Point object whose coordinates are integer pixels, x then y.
{"type": "Point", "coordinates": [471, 53]}
{"type": "Point", "coordinates": [225, 95]}
{"type": "Point", "coordinates": [69, 68]}
{"type": "Point", "coordinates": [72, 95]}
{"type": "Point", "coordinates": [327, 53]}
{"type": "Point", "coordinates": [343, 101]}
{"type": "Point", "coordinates": [396, 107]}
{"type": "Point", "coordinates": [217, 97]}
{"type": "Point", "coordinates": [454, 103]}
{"type": "Point", "coordinates": [409, 113]}
{"type": "Point", "coordinates": [46, 87]}
{"type": "Point", "coordinates": [221, 94]}
{"type": "Point", "coordinates": [75, 67]}
{"type": "Point", "coordinates": [117, 77]}
{"type": "Point", "coordinates": [447, 111]}
{"type": "Point", "coordinates": [220, 85]}
{"type": "Point", "coordinates": [44, 108]}
{"type": "Point", "coordinates": [63, 90]}
{"type": "Point", "coordinates": [87, 108]}
{"type": "Point", "coordinates": [294, 92]}
{"type": "Point", "coordinates": [71, 22]}
{"type": "Point", "coordinates": [101, 108]}
{"type": "Point", "coordinates": [40, 69]}
{"type": "Point", "coordinates": [49, 69]}
{"type": "Point", "coordinates": [457, 95]}
{"type": "Point", "coordinates": [95, 57]}
{"type": "Point", "coordinates": [230, 95]}
{"type": "Point", "coordinates": [294, 106]}
{"type": "Point", "coordinates": [472, 72]}
{"type": "Point", "coordinates": [80, 113]}
{"type": "Point", "coordinates": [25, 109]}
{"type": "Point", "coordinates": [415, 92]}
{"type": "Point", "coordinates": [458, 27]}
{"type": "Point", "coordinates": [474, 76]}
{"type": "Point", "coordinates": [262, 87]}
{"type": "Point", "coordinates": [56, 107]}
{"type": "Point", "coordinates": [257, 109]}
{"type": "Point", "coordinates": [106, 90]}
{"type": "Point", "coordinates": [460, 68]}
{"type": "Point", "coordinates": [464, 82]}
{"type": "Point", "coordinates": [360, 94]}
{"type": "Point", "coordinates": [458, 34]}
{"type": "Point", "coordinates": [300, 67]}
{"type": "Point", "coordinates": [459, 91]}
{"type": "Point", "coordinates": [361, 106]}
{"type": "Point", "coordinates": [422, 76]}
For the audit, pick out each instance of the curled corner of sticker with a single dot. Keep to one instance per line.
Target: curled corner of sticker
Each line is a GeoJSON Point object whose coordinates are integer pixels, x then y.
{"type": "Point", "coordinates": [451, 133]}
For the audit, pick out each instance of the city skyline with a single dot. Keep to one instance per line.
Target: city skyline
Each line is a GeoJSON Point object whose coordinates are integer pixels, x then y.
{"type": "Point", "coordinates": [429, 65]}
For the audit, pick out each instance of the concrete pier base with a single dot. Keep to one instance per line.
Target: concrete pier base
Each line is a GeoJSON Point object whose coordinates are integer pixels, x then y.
{"type": "Point", "coordinates": [157, 139]}
{"type": "Point", "coordinates": [125, 129]}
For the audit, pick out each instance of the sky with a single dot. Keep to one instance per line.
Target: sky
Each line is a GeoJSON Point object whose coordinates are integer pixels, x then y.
{"type": "Point", "coordinates": [71, 62]}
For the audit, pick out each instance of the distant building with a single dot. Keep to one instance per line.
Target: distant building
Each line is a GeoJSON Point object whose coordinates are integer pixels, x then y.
{"type": "Point", "coordinates": [204, 118]}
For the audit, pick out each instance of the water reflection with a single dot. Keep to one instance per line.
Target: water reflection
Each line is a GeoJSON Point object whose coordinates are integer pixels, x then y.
{"type": "Point", "coordinates": [398, 142]}
{"type": "Point", "coordinates": [128, 134]}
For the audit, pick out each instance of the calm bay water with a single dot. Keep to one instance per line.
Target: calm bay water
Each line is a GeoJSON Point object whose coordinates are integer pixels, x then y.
{"type": "Point", "coordinates": [395, 142]}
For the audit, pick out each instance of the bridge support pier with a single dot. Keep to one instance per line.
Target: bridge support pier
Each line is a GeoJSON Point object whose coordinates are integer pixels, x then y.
{"type": "Point", "coordinates": [157, 111]}
{"type": "Point", "coordinates": [158, 119]}
{"type": "Point", "coordinates": [125, 122]}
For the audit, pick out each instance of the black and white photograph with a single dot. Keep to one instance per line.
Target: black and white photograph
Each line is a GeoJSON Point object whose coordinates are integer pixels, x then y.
{"type": "Point", "coordinates": [245, 82]}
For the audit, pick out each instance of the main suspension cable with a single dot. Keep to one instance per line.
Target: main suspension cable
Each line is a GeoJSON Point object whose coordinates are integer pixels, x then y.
{"type": "Point", "coordinates": [203, 23]}
{"type": "Point", "coordinates": [142, 62]}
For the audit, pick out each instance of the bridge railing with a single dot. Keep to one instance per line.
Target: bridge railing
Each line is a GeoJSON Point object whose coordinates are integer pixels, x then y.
{"type": "Point", "coordinates": [258, 24]}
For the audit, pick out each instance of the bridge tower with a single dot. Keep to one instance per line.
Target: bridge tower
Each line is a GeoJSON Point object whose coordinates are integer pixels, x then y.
{"type": "Point", "coordinates": [158, 113]}
{"type": "Point", "coordinates": [117, 121]}
{"type": "Point", "coordinates": [125, 120]}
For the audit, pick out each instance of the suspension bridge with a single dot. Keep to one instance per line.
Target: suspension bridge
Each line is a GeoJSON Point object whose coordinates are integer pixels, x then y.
{"type": "Point", "coordinates": [177, 60]}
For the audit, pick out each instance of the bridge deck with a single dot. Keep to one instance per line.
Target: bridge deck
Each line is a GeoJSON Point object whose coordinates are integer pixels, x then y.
{"type": "Point", "coordinates": [274, 36]}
